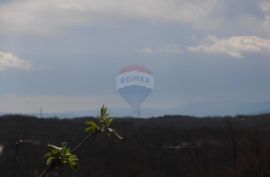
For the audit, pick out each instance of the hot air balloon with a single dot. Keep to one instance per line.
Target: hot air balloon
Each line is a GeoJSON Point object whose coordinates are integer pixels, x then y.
{"type": "Point", "coordinates": [134, 84]}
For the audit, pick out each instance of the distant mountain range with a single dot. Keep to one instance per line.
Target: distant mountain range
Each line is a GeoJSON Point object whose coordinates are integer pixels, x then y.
{"type": "Point", "coordinates": [200, 110]}
{"type": "Point", "coordinates": [263, 107]}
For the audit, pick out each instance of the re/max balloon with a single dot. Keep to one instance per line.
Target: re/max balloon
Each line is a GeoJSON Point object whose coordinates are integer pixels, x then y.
{"type": "Point", "coordinates": [134, 84]}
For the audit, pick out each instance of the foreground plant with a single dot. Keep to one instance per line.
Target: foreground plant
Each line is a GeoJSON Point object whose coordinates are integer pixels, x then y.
{"type": "Point", "coordinates": [64, 156]}
{"type": "Point", "coordinates": [60, 156]}
{"type": "Point", "coordinates": [103, 124]}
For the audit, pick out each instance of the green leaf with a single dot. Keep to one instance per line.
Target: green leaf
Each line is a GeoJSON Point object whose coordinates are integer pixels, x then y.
{"type": "Point", "coordinates": [108, 122]}
{"type": "Point", "coordinates": [92, 127]}
{"type": "Point", "coordinates": [73, 162]}
{"type": "Point", "coordinates": [49, 160]}
{"type": "Point", "coordinates": [58, 156]}
{"type": "Point", "coordinates": [91, 123]}
{"type": "Point", "coordinates": [103, 124]}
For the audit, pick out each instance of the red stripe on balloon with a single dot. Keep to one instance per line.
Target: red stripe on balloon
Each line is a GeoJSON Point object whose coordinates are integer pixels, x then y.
{"type": "Point", "coordinates": [131, 68]}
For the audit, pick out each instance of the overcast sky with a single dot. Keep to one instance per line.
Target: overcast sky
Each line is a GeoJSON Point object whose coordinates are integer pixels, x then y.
{"type": "Point", "coordinates": [208, 57]}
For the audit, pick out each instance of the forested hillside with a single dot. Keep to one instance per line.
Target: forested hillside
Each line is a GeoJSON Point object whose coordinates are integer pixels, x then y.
{"type": "Point", "coordinates": [169, 146]}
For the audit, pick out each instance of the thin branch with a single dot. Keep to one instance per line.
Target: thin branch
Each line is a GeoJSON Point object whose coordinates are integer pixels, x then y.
{"type": "Point", "coordinates": [76, 148]}
{"type": "Point", "coordinates": [104, 121]}
{"type": "Point", "coordinates": [82, 142]}
{"type": "Point", "coordinates": [45, 171]}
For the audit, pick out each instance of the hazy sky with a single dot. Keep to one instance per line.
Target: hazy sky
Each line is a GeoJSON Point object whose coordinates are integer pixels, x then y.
{"type": "Point", "coordinates": [209, 57]}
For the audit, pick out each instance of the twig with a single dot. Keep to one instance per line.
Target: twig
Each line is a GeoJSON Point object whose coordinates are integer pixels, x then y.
{"type": "Point", "coordinates": [76, 148]}
{"type": "Point", "coordinates": [46, 171]}
{"type": "Point", "coordinates": [82, 142]}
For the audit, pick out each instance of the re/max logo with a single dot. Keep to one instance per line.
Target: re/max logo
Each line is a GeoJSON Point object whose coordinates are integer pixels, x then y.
{"type": "Point", "coordinates": [128, 79]}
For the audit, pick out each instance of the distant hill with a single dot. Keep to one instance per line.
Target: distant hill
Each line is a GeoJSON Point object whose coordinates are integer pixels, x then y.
{"type": "Point", "coordinates": [260, 108]}
{"type": "Point", "coordinates": [195, 109]}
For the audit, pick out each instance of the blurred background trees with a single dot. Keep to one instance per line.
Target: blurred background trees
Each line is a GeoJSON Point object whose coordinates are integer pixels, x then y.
{"type": "Point", "coordinates": [157, 147]}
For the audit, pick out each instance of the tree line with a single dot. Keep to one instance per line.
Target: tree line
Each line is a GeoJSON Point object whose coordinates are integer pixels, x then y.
{"type": "Point", "coordinates": [167, 146]}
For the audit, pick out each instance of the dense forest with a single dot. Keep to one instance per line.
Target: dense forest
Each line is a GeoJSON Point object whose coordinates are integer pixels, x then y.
{"type": "Point", "coordinates": [168, 146]}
